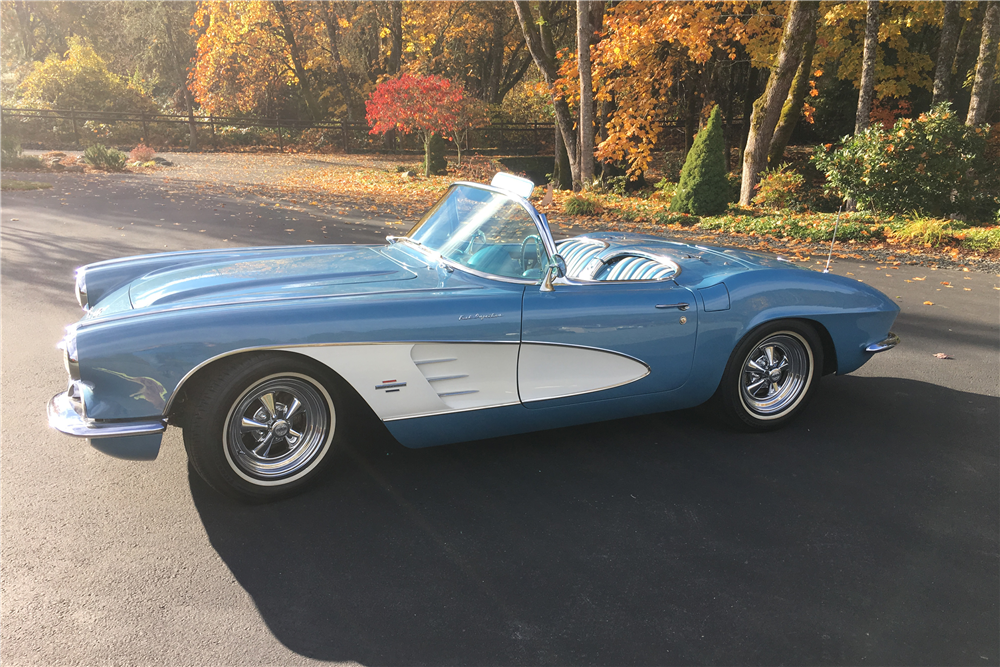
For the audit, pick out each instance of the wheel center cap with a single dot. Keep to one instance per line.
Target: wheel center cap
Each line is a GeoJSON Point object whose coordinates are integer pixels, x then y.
{"type": "Point", "coordinates": [775, 374]}
{"type": "Point", "coordinates": [280, 428]}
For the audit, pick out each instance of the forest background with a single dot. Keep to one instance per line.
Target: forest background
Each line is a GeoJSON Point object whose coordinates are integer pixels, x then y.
{"type": "Point", "coordinates": [811, 74]}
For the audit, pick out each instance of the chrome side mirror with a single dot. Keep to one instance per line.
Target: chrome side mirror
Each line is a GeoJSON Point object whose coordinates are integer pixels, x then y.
{"type": "Point", "coordinates": [555, 269]}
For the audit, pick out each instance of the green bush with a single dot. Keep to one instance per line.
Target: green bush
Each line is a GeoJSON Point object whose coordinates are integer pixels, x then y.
{"type": "Point", "coordinates": [671, 218]}
{"type": "Point", "coordinates": [933, 164]}
{"type": "Point", "coordinates": [704, 188]}
{"type": "Point", "coordinates": [581, 205]}
{"type": "Point", "coordinates": [100, 156]}
{"type": "Point", "coordinates": [11, 158]}
{"type": "Point", "coordinates": [780, 188]}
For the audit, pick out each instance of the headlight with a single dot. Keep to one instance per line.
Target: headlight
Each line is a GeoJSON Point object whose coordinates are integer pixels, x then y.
{"type": "Point", "coordinates": [81, 288]}
{"type": "Point", "coordinates": [70, 357]}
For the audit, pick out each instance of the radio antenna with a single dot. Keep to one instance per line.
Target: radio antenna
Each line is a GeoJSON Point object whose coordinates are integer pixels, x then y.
{"type": "Point", "coordinates": [833, 240]}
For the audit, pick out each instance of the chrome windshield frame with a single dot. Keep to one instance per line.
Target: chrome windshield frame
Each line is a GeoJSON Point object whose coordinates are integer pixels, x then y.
{"type": "Point", "coordinates": [539, 220]}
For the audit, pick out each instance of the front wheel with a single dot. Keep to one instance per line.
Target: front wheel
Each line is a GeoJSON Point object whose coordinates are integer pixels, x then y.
{"type": "Point", "coordinates": [770, 376]}
{"type": "Point", "coordinates": [262, 427]}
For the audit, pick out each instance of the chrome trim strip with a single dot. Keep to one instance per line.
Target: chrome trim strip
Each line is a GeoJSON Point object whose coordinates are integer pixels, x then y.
{"type": "Point", "coordinates": [435, 361]}
{"type": "Point", "coordinates": [887, 343]}
{"type": "Point", "coordinates": [65, 419]}
{"type": "Point", "coordinates": [133, 313]}
{"type": "Point", "coordinates": [459, 393]}
{"type": "Point", "coordinates": [451, 412]}
{"type": "Point", "coordinates": [221, 251]}
{"type": "Point", "coordinates": [590, 391]}
{"type": "Point", "coordinates": [447, 377]}
{"type": "Point", "coordinates": [187, 376]}
{"type": "Point", "coordinates": [588, 347]}
{"type": "Point", "coordinates": [390, 385]}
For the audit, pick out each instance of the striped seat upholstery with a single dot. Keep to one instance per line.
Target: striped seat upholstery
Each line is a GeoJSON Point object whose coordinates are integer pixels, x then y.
{"type": "Point", "coordinates": [635, 268]}
{"type": "Point", "coordinates": [578, 253]}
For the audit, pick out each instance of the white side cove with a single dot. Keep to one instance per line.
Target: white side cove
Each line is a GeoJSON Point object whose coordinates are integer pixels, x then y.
{"type": "Point", "coordinates": [404, 380]}
{"type": "Point", "coordinates": [400, 380]}
{"type": "Point", "coordinates": [555, 371]}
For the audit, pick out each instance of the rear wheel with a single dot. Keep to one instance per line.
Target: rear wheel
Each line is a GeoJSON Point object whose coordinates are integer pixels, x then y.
{"type": "Point", "coordinates": [770, 376]}
{"type": "Point", "coordinates": [262, 427]}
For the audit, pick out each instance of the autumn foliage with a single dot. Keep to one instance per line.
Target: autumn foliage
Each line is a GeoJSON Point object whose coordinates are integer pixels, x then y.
{"type": "Point", "coordinates": [427, 105]}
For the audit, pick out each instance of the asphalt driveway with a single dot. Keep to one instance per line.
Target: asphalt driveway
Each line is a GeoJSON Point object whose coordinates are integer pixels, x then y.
{"type": "Point", "coordinates": [864, 533]}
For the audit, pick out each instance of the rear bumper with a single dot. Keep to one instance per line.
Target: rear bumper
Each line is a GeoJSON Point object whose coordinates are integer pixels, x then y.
{"type": "Point", "coordinates": [887, 343]}
{"type": "Point", "coordinates": [137, 441]}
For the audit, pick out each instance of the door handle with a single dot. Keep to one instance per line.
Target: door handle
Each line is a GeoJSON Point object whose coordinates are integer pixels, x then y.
{"type": "Point", "coordinates": [678, 306]}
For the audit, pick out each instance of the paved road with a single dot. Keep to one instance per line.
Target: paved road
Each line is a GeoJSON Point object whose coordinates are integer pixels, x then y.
{"type": "Point", "coordinates": [865, 533]}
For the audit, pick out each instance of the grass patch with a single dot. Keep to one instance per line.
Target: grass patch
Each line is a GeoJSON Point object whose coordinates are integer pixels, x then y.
{"type": "Point", "coordinates": [981, 239]}
{"type": "Point", "coordinates": [10, 184]}
{"type": "Point", "coordinates": [803, 227]}
{"type": "Point", "coordinates": [20, 163]}
{"type": "Point", "coordinates": [582, 205]}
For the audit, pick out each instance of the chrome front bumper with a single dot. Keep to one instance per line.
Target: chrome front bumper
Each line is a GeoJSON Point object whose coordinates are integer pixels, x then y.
{"type": "Point", "coordinates": [138, 441]}
{"type": "Point", "coordinates": [889, 342]}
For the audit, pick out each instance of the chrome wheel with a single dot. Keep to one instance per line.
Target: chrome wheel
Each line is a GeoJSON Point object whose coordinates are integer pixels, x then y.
{"type": "Point", "coordinates": [776, 375]}
{"type": "Point", "coordinates": [278, 429]}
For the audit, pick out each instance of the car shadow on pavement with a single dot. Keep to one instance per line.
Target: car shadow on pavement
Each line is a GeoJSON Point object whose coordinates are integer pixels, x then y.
{"type": "Point", "coordinates": [865, 531]}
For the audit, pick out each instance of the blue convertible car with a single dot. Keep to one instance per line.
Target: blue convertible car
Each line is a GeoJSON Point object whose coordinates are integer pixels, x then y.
{"type": "Point", "coordinates": [475, 324]}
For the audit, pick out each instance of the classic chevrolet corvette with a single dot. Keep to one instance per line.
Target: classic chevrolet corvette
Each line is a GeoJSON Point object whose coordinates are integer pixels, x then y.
{"type": "Point", "coordinates": [475, 324]}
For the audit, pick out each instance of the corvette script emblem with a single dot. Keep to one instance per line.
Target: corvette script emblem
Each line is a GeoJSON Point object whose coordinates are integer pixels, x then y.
{"type": "Point", "coordinates": [477, 316]}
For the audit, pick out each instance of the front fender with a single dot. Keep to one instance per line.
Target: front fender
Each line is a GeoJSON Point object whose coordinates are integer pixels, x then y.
{"type": "Point", "coordinates": [135, 364]}
{"type": "Point", "coordinates": [854, 315]}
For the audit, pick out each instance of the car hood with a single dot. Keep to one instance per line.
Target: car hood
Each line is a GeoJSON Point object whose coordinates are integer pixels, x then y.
{"type": "Point", "coordinates": [210, 278]}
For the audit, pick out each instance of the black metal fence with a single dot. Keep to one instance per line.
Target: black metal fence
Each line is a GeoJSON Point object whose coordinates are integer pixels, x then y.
{"type": "Point", "coordinates": [57, 128]}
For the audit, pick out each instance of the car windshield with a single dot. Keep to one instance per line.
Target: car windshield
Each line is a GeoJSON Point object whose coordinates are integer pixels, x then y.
{"type": "Point", "coordinates": [484, 231]}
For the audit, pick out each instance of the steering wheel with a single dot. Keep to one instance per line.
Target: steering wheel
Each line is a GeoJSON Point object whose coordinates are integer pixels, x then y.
{"type": "Point", "coordinates": [478, 238]}
{"type": "Point", "coordinates": [536, 261]}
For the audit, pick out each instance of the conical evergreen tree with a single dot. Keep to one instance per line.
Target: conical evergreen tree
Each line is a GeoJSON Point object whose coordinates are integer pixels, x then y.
{"type": "Point", "coordinates": [704, 189]}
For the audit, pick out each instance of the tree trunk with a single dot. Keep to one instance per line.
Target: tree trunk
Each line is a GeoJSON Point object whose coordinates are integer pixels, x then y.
{"type": "Point", "coordinates": [333, 34]}
{"type": "Point", "coordinates": [968, 47]}
{"type": "Point", "coordinates": [863, 118]}
{"type": "Point", "coordinates": [792, 108]}
{"type": "Point", "coordinates": [985, 67]}
{"type": "Point", "coordinates": [946, 51]}
{"type": "Point", "coordinates": [543, 52]}
{"type": "Point", "coordinates": [767, 109]}
{"type": "Point", "coordinates": [297, 63]}
{"type": "Point", "coordinates": [181, 70]}
{"type": "Point", "coordinates": [562, 175]}
{"type": "Point", "coordinates": [750, 92]}
{"type": "Point", "coordinates": [396, 28]}
{"type": "Point", "coordinates": [24, 29]}
{"type": "Point", "coordinates": [584, 36]}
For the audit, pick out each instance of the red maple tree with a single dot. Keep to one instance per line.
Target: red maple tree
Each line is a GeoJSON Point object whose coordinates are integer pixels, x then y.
{"type": "Point", "coordinates": [428, 105]}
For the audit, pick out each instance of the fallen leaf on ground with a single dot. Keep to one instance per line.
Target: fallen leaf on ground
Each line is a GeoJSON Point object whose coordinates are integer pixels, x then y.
{"type": "Point", "coordinates": [928, 303]}
{"type": "Point", "coordinates": [924, 278]}
{"type": "Point", "coordinates": [942, 355]}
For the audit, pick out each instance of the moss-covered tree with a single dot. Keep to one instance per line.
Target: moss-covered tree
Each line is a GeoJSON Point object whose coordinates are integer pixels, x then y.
{"type": "Point", "coordinates": [704, 189]}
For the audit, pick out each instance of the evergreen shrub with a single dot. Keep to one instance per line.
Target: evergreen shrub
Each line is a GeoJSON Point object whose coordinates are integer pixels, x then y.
{"type": "Point", "coordinates": [704, 187]}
